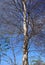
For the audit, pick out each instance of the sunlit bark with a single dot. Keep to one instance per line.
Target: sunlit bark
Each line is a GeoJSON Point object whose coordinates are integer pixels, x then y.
{"type": "Point", "coordinates": [25, 27]}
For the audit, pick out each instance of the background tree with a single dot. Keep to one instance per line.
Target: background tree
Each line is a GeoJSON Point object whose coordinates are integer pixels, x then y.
{"type": "Point", "coordinates": [30, 14]}
{"type": "Point", "coordinates": [5, 48]}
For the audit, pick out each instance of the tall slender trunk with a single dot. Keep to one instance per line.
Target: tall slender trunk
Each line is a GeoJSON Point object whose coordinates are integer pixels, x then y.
{"type": "Point", "coordinates": [25, 27]}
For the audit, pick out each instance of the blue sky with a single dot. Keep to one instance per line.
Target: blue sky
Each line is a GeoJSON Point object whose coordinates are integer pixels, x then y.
{"type": "Point", "coordinates": [19, 54]}
{"type": "Point", "coordinates": [13, 39]}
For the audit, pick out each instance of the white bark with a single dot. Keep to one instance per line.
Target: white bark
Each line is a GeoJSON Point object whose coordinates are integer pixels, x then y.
{"type": "Point", "coordinates": [25, 47]}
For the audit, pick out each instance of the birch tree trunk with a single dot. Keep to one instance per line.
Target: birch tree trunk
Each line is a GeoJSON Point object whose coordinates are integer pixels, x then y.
{"type": "Point", "coordinates": [25, 27]}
